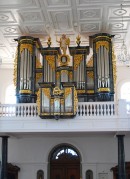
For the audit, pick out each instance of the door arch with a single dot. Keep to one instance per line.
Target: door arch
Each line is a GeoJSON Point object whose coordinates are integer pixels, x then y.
{"type": "Point", "coordinates": [64, 162]}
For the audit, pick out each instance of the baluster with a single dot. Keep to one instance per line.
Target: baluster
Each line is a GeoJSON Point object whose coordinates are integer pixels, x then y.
{"type": "Point", "coordinates": [102, 110]}
{"type": "Point", "coordinates": [105, 106]}
{"type": "Point", "coordinates": [82, 110]}
{"type": "Point", "coordinates": [85, 110]}
{"type": "Point", "coordinates": [22, 114]}
{"type": "Point", "coordinates": [109, 109]}
{"type": "Point", "coordinates": [32, 111]}
{"type": "Point", "coordinates": [94, 110]}
{"type": "Point", "coordinates": [79, 110]}
{"type": "Point", "coordinates": [24, 110]}
{"type": "Point", "coordinates": [97, 110]}
{"type": "Point", "coordinates": [89, 109]}
{"type": "Point", "coordinates": [17, 110]}
{"type": "Point", "coordinates": [113, 108]}
{"type": "Point", "coordinates": [2, 110]}
{"type": "Point", "coordinates": [9, 110]}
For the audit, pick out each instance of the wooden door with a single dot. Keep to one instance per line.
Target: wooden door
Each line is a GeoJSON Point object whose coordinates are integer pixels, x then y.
{"type": "Point", "coordinates": [65, 164]}
{"type": "Point", "coordinates": [65, 172]}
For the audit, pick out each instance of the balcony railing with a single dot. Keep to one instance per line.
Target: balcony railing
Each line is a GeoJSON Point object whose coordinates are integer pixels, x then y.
{"type": "Point", "coordinates": [85, 109]}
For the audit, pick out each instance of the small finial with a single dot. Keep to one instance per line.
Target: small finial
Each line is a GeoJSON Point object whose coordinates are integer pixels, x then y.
{"type": "Point", "coordinates": [78, 41]}
{"type": "Point", "coordinates": [49, 41]}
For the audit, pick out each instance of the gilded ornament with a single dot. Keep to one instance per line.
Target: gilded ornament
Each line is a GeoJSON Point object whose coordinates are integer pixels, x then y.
{"type": "Point", "coordinates": [64, 63]}
{"type": "Point", "coordinates": [90, 74]}
{"type": "Point", "coordinates": [51, 61]}
{"type": "Point", "coordinates": [80, 91]}
{"type": "Point", "coordinates": [90, 62]}
{"type": "Point", "coordinates": [49, 41]}
{"type": "Point", "coordinates": [15, 68]}
{"type": "Point", "coordinates": [26, 46]}
{"type": "Point", "coordinates": [104, 90]}
{"type": "Point", "coordinates": [25, 91]}
{"type": "Point", "coordinates": [78, 41]}
{"type": "Point", "coordinates": [102, 43]}
{"type": "Point", "coordinates": [77, 60]}
{"type": "Point", "coordinates": [46, 92]}
{"type": "Point", "coordinates": [57, 91]}
{"type": "Point", "coordinates": [38, 101]}
{"type": "Point", "coordinates": [75, 101]}
{"type": "Point", "coordinates": [38, 65]}
{"type": "Point", "coordinates": [114, 67]}
{"type": "Point", "coordinates": [67, 91]}
{"type": "Point", "coordinates": [57, 75]}
{"type": "Point", "coordinates": [70, 75]}
{"type": "Point", "coordinates": [90, 91]}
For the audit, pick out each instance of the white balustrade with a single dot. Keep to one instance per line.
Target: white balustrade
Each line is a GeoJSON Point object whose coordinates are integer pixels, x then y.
{"type": "Point", "coordinates": [18, 110]}
{"type": "Point", "coordinates": [84, 109]}
{"type": "Point", "coordinates": [95, 109]}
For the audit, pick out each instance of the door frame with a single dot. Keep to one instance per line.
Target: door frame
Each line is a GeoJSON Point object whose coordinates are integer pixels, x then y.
{"type": "Point", "coordinates": [57, 147]}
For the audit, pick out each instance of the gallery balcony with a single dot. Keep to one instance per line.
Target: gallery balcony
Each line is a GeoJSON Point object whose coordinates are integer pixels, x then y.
{"type": "Point", "coordinates": [90, 117]}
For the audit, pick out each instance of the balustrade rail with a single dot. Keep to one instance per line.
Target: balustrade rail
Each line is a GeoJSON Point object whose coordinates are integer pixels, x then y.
{"type": "Point", "coordinates": [85, 109]}
{"type": "Point", "coordinates": [96, 109]}
{"type": "Point", "coordinates": [18, 110]}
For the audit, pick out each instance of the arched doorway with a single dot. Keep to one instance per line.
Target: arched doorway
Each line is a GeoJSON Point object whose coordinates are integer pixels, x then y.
{"type": "Point", "coordinates": [64, 163]}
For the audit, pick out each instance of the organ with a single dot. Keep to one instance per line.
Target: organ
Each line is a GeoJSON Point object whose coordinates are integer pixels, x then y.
{"type": "Point", "coordinates": [56, 78]}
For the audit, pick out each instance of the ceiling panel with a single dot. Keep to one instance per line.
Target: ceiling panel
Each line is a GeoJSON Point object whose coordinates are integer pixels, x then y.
{"type": "Point", "coordinates": [41, 18]}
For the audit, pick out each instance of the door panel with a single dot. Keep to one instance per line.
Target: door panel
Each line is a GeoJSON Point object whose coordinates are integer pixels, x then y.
{"type": "Point", "coordinates": [65, 172]}
{"type": "Point", "coordinates": [72, 173]}
{"type": "Point", "coordinates": [57, 173]}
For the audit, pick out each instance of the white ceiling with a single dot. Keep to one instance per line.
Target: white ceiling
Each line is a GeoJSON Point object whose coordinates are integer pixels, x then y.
{"type": "Point", "coordinates": [41, 18]}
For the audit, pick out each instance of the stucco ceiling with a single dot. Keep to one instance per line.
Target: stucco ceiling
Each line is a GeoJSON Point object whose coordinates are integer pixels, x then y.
{"type": "Point", "coordinates": [41, 18]}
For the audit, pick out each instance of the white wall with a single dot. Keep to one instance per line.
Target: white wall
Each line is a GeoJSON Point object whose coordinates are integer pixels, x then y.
{"type": "Point", "coordinates": [6, 79]}
{"type": "Point", "coordinates": [123, 75]}
{"type": "Point", "coordinates": [98, 152]}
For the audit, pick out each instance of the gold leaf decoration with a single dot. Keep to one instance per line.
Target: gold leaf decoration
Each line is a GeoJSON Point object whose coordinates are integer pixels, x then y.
{"type": "Point", "coordinates": [15, 68]}
{"type": "Point", "coordinates": [77, 60]}
{"type": "Point", "coordinates": [102, 43]}
{"type": "Point", "coordinates": [63, 63]}
{"type": "Point", "coordinates": [90, 74]}
{"type": "Point", "coordinates": [26, 46]}
{"type": "Point", "coordinates": [51, 61]}
{"type": "Point", "coordinates": [90, 62]}
{"type": "Point", "coordinates": [46, 92]}
{"type": "Point", "coordinates": [57, 75]}
{"type": "Point", "coordinates": [38, 65]}
{"type": "Point", "coordinates": [70, 75]}
{"type": "Point", "coordinates": [114, 67]}
{"type": "Point", "coordinates": [67, 91]}
{"type": "Point", "coordinates": [75, 101]}
{"type": "Point", "coordinates": [38, 101]}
